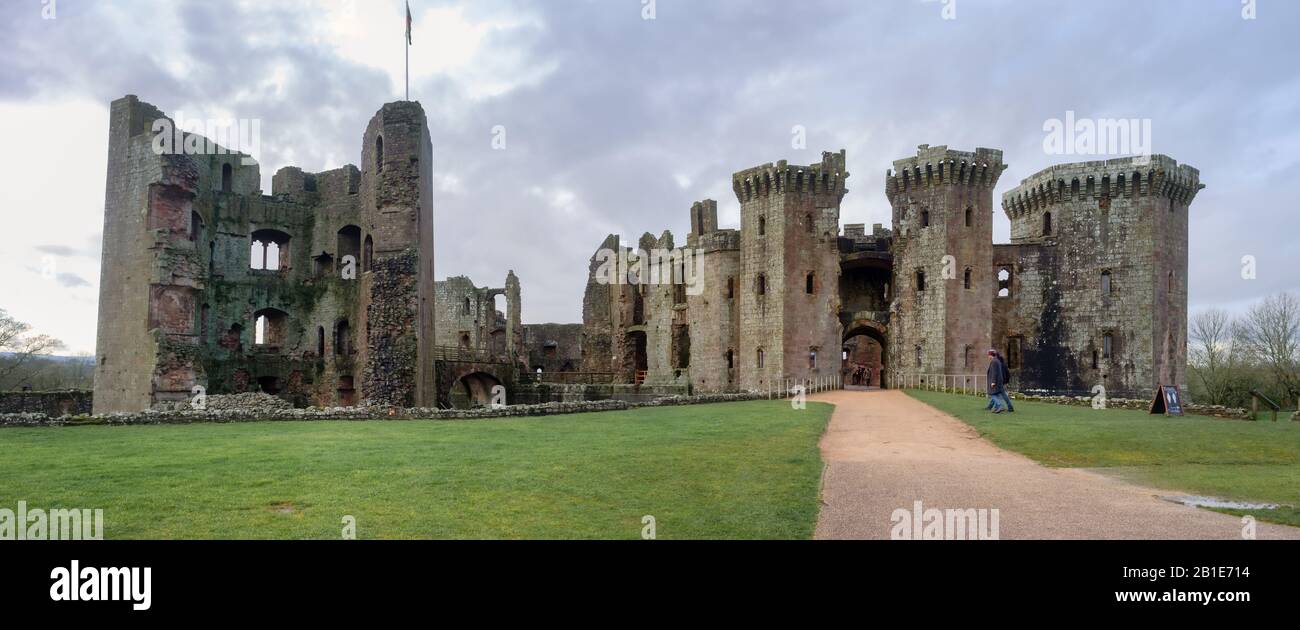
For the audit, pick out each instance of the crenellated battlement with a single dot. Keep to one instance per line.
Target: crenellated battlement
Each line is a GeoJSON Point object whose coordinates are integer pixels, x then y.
{"type": "Point", "coordinates": [828, 178]}
{"type": "Point", "coordinates": [1157, 175]}
{"type": "Point", "coordinates": [938, 166]}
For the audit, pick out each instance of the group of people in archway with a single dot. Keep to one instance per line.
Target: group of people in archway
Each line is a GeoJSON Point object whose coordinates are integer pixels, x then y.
{"type": "Point", "coordinates": [860, 374]}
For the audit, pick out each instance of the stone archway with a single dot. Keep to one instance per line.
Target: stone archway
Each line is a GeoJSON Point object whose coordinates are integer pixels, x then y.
{"type": "Point", "coordinates": [473, 390]}
{"type": "Point", "coordinates": [865, 342]}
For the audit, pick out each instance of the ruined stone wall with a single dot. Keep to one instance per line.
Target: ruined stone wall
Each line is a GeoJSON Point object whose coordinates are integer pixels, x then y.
{"type": "Point", "coordinates": [397, 209]}
{"type": "Point", "coordinates": [599, 314]}
{"type": "Point", "coordinates": [665, 313]}
{"type": "Point", "coordinates": [124, 356]}
{"type": "Point", "coordinates": [73, 402]}
{"type": "Point", "coordinates": [181, 295]}
{"type": "Point", "coordinates": [467, 317]}
{"type": "Point", "coordinates": [1126, 218]}
{"type": "Point", "coordinates": [942, 204]}
{"type": "Point", "coordinates": [554, 348]}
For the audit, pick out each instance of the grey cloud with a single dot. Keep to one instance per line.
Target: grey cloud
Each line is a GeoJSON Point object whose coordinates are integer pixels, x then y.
{"type": "Point", "coordinates": [709, 88]}
{"type": "Point", "coordinates": [70, 280]}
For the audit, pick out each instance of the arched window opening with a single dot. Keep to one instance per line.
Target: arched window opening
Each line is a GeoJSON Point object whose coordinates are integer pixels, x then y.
{"type": "Point", "coordinates": [966, 278]}
{"type": "Point", "coordinates": [379, 153]}
{"type": "Point", "coordinates": [731, 287]}
{"type": "Point", "coordinates": [342, 338]}
{"type": "Point", "coordinates": [1107, 346]}
{"type": "Point", "coordinates": [1105, 283]}
{"type": "Point", "coordinates": [730, 359]}
{"type": "Point", "coordinates": [761, 287]}
{"type": "Point", "coordinates": [812, 358]}
{"type": "Point", "coordinates": [758, 358]}
{"type": "Point", "coordinates": [762, 226]}
{"type": "Point", "coordinates": [810, 283]}
{"type": "Point", "coordinates": [270, 327]}
{"type": "Point", "coordinates": [227, 178]}
{"type": "Point", "coordinates": [349, 244]}
{"type": "Point", "coordinates": [970, 217]}
{"type": "Point", "coordinates": [465, 308]}
{"type": "Point", "coordinates": [1047, 224]}
{"type": "Point", "coordinates": [920, 280]}
{"type": "Point", "coordinates": [196, 227]}
{"type": "Point", "coordinates": [320, 341]}
{"type": "Point", "coordinates": [925, 218]}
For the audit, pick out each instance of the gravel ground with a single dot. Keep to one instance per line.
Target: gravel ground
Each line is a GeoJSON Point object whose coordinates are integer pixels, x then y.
{"type": "Point", "coordinates": [885, 450]}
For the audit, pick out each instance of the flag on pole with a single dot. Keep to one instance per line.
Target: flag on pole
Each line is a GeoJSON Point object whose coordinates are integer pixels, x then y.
{"type": "Point", "coordinates": [408, 23]}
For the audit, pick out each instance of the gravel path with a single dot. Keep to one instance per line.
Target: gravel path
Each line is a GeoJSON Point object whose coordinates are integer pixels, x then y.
{"type": "Point", "coordinates": [885, 450]}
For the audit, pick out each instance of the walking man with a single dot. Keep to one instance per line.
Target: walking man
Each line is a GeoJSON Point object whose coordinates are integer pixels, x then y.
{"type": "Point", "coordinates": [997, 383]}
{"type": "Point", "coordinates": [1006, 384]}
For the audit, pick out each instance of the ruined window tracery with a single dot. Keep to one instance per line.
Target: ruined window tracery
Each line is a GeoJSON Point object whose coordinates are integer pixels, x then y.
{"type": "Point", "coordinates": [1004, 281]}
{"type": "Point", "coordinates": [270, 250]}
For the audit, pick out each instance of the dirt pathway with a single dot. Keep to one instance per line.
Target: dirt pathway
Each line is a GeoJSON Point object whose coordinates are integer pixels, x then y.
{"type": "Point", "coordinates": [885, 450]}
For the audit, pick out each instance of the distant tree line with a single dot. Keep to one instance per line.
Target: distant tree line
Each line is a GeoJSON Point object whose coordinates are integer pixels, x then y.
{"type": "Point", "coordinates": [27, 361]}
{"type": "Point", "coordinates": [1228, 356]}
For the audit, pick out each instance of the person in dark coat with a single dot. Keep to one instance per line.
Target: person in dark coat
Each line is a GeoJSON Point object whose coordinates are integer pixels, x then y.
{"type": "Point", "coordinates": [996, 382]}
{"type": "Point", "coordinates": [1006, 383]}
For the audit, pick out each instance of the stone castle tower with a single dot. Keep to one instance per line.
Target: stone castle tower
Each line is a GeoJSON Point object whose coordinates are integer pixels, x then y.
{"type": "Point", "coordinates": [713, 307]}
{"type": "Point", "coordinates": [943, 287]}
{"type": "Point", "coordinates": [789, 261]}
{"type": "Point", "coordinates": [1096, 276]}
{"type": "Point", "coordinates": [320, 292]}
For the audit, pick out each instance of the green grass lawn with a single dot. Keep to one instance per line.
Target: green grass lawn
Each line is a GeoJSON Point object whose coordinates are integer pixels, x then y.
{"type": "Point", "coordinates": [1231, 459]}
{"type": "Point", "coordinates": [733, 470]}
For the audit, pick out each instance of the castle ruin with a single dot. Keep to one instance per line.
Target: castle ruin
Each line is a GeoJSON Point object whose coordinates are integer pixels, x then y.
{"type": "Point", "coordinates": [1090, 291]}
{"type": "Point", "coordinates": [323, 291]}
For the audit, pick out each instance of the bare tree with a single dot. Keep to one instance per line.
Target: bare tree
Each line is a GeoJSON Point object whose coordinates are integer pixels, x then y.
{"type": "Point", "coordinates": [1271, 330]}
{"type": "Point", "coordinates": [1214, 355]}
{"type": "Point", "coordinates": [17, 366]}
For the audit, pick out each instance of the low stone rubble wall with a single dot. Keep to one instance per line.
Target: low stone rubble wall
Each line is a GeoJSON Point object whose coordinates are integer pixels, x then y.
{"type": "Point", "coordinates": [60, 403]}
{"type": "Point", "coordinates": [265, 414]}
{"type": "Point", "coordinates": [1217, 411]}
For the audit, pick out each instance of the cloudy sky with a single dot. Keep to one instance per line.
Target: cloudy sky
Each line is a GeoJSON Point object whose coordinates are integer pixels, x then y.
{"type": "Point", "coordinates": [615, 123]}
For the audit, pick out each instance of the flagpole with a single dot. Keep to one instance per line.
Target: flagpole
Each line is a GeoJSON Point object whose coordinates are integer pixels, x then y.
{"type": "Point", "coordinates": [408, 50]}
